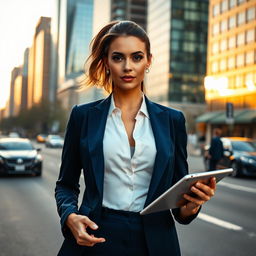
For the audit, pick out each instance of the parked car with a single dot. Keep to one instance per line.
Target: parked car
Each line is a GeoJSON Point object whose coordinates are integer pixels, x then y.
{"type": "Point", "coordinates": [239, 154]}
{"type": "Point", "coordinates": [40, 138]}
{"type": "Point", "coordinates": [54, 141]}
{"type": "Point", "coordinates": [18, 156]}
{"type": "Point", "coordinates": [13, 135]}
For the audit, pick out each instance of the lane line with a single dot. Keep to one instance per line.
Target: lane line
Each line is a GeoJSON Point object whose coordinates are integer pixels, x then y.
{"type": "Point", "coordinates": [237, 187]}
{"type": "Point", "coordinates": [219, 222]}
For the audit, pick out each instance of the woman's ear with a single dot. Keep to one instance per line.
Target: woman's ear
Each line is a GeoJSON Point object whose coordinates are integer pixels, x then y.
{"type": "Point", "coordinates": [149, 60]}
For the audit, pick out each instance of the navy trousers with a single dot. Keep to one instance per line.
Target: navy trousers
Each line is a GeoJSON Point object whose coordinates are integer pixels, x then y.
{"type": "Point", "coordinates": [123, 232]}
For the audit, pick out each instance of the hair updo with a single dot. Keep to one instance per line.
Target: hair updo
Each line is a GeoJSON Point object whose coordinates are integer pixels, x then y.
{"type": "Point", "coordinates": [97, 72]}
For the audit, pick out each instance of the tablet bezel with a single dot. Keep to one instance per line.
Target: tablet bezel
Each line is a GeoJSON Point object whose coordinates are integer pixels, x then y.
{"type": "Point", "coordinates": [173, 197]}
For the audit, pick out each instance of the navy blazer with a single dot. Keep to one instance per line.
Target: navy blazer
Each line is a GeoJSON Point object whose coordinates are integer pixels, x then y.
{"type": "Point", "coordinates": [83, 150]}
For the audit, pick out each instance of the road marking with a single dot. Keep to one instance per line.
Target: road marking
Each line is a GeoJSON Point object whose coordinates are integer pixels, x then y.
{"type": "Point", "coordinates": [237, 187]}
{"type": "Point", "coordinates": [219, 222]}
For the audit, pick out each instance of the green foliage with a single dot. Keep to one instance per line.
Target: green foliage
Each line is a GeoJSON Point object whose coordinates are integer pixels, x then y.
{"type": "Point", "coordinates": [38, 119]}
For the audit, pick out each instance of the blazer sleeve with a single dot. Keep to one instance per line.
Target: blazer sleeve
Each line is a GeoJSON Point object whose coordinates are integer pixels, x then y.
{"type": "Point", "coordinates": [181, 164]}
{"type": "Point", "coordinates": [67, 186]}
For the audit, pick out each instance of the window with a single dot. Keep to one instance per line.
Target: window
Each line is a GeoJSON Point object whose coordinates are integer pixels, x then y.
{"type": "Point", "coordinates": [223, 45]}
{"type": "Point", "coordinates": [249, 57]}
{"type": "Point", "coordinates": [241, 38]}
{"type": "Point", "coordinates": [215, 47]}
{"type": "Point", "coordinates": [216, 9]}
{"type": "Point", "coordinates": [232, 3]}
{"type": "Point", "coordinates": [215, 29]}
{"type": "Point", "coordinates": [224, 25]}
{"type": "Point", "coordinates": [240, 60]}
{"type": "Point", "coordinates": [232, 42]}
{"type": "Point", "coordinates": [250, 13]}
{"type": "Point", "coordinates": [250, 36]}
{"type": "Point", "coordinates": [223, 64]}
{"type": "Point", "coordinates": [241, 18]}
{"type": "Point", "coordinates": [239, 81]}
{"type": "Point", "coordinates": [189, 46]}
{"type": "Point", "coordinates": [240, 1]}
{"type": "Point", "coordinates": [190, 15]}
{"type": "Point", "coordinates": [215, 67]}
{"type": "Point", "coordinates": [231, 62]}
{"type": "Point", "coordinates": [232, 22]}
{"type": "Point", "coordinates": [224, 5]}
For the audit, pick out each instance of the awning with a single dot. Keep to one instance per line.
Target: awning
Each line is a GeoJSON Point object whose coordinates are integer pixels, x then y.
{"type": "Point", "coordinates": [248, 116]}
{"type": "Point", "coordinates": [207, 116]}
{"type": "Point", "coordinates": [241, 116]}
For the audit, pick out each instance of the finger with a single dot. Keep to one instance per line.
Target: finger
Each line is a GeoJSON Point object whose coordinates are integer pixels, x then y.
{"type": "Point", "coordinates": [213, 183]}
{"type": "Point", "coordinates": [85, 238]}
{"type": "Point", "coordinates": [205, 188]}
{"type": "Point", "coordinates": [193, 200]}
{"type": "Point", "coordinates": [200, 194]}
{"type": "Point", "coordinates": [90, 223]}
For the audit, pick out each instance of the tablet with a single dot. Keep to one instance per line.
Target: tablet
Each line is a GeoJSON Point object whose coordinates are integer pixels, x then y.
{"type": "Point", "coordinates": [173, 197]}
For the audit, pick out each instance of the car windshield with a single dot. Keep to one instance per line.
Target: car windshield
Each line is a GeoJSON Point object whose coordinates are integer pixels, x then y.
{"type": "Point", "coordinates": [15, 146]}
{"type": "Point", "coordinates": [55, 137]}
{"type": "Point", "coordinates": [244, 146]}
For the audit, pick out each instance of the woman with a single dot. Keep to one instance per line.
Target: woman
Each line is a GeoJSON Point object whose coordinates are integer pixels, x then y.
{"type": "Point", "coordinates": [131, 150]}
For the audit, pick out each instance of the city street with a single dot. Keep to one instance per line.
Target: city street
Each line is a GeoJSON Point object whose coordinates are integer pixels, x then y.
{"type": "Point", "coordinates": [29, 222]}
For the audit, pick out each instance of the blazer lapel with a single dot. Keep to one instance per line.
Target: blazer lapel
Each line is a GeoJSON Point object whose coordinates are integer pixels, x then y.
{"type": "Point", "coordinates": [97, 117]}
{"type": "Point", "coordinates": [160, 123]}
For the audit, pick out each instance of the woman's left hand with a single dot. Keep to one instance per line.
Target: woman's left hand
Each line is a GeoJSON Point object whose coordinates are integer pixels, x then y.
{"type": "Point", "coordinates": [202, 194]}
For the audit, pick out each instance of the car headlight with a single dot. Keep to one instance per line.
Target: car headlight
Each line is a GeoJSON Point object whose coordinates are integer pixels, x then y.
{"type": "Point", "coordinates": [38, 158]}
{"type": "Point", "coordinates": [247, 160]}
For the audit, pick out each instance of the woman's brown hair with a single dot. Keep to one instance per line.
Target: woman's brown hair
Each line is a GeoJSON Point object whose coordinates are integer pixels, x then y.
{"type": "Point", "coordinates": [97, 72]}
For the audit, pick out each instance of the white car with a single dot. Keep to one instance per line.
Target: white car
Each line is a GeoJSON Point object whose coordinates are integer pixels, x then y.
{"type": "Point", "coordinates": [54, 141]}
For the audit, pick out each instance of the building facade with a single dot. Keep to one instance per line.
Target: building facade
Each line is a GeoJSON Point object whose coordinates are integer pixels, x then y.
{"type": "Point", "coordinates": [74, 37]}
{"type": "Point", "coordinates": [134, 10]}
{"type": "Point", "coordinates": [24, 93]}
{"type": "Point", "coordinates": [40, 64]}
{"type": "Point", "coordinates": [178, 34]}
{"type": "Point", "coordinates": [231, 67]}
{"type": "Point", "coordinates": [15, 73]}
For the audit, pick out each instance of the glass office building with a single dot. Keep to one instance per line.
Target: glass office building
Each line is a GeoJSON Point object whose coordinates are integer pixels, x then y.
{"type": "Point", "coordinates": [178, 34]}
{"type": "Point", "coordinates": [74, 29]}
{"type": "Point", "coordinates": [134, 10]}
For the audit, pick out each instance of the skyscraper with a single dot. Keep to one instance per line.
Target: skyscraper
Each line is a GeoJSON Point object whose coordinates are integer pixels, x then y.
{"type": "Point", "coordinates": [178, 34]}
{"type": "Point", "coordinates": [39, 63]}
{"type": "Point", "coordinates": [231, 68]}
{"type": "Point", "coordinates": [134, 10]}
{"type": "Point", "coordinates": [74, 36]}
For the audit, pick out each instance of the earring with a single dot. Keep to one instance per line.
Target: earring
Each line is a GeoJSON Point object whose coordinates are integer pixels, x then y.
{"type": "Point", "coordinates": [108, 71]}
{"type": "Point", "coordinates": [147, 70]}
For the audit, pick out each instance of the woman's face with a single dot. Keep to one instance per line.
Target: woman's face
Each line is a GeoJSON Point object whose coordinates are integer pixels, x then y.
{"type": "Point", "coordinates": [127, 61]}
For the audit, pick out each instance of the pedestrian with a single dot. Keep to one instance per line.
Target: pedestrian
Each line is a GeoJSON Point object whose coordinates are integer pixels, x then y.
{"type": "Point", "coordinates": [216, 150]}
{"type": "Point", "coordinates": [131, 150]}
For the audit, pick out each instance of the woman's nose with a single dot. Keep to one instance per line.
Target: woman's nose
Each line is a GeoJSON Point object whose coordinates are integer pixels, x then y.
{"type": "Point", "coordinates": [127, 66]}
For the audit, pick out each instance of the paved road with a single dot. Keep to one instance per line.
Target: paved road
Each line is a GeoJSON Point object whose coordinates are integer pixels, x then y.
{"type": "Point", "coordinates": [30, 226]}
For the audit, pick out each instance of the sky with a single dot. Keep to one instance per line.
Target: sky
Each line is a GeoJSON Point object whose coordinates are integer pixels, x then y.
{"type": "Point", "coordinates": [18, 20]}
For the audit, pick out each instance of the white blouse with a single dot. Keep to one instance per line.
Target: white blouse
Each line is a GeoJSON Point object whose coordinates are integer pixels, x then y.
{"type": "Point", "coordinates": [127, 176]}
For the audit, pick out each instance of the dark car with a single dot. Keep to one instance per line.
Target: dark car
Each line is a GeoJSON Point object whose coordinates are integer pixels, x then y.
{"type": "Point", "coordinates": [239, 154]}
{"type": "Point", "coordinates": [54, 141]}
{"type": "Point", "coordinates": [18, 156]}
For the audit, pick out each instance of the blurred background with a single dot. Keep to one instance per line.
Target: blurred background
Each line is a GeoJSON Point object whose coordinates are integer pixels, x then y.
{"type": "Point", "coordinates": [204, 64]}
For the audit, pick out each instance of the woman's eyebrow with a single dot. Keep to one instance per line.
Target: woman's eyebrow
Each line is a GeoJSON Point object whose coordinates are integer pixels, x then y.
{"type": "Point", "coordinates": [120, 53]}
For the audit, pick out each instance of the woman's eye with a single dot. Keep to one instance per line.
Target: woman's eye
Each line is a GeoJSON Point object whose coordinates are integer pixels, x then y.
{"type": "Point", "coordinates": [117, 58]}
{"type": "Point", "coordinates": [137, 57]}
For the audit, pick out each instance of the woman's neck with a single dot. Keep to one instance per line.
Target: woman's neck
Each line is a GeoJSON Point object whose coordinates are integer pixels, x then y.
{"type": "Point", "coordinates": [128, 100]}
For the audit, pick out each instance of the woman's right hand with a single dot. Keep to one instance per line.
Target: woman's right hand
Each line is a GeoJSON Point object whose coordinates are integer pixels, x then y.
{"type": "Point", "coordinates": [78, 225]}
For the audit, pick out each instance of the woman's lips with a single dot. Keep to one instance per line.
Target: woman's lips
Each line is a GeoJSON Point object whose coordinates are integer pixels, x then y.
{"type": "Point", "coordinates": [127, 79]}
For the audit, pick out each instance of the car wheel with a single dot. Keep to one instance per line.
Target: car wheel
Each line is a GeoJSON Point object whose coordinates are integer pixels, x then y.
{"type": "Point", "coordinates": [39, 173]}
{"type": "Point", "coordinates": [235, 167]}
